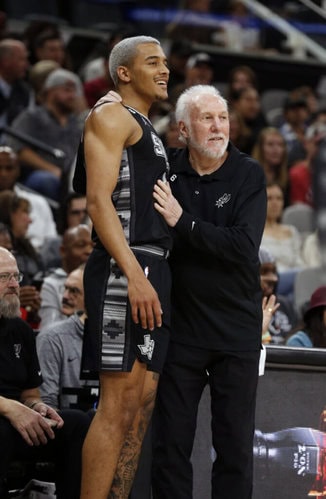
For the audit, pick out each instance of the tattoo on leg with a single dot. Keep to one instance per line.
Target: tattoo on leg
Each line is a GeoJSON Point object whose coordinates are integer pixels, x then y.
{"type": "Point", "coordinates": [129, 456]}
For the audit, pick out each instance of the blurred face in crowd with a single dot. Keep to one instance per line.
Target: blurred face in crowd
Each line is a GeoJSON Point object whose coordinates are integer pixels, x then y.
{"type": "Point", "coordinates": [9, 169]}
{"type": "Point", "coordinates": [172, 135]}
{"type": "Point", "coordinates": [14, 62]}
{"type": "Point", "coordinates": [51, 50]}
{"type": "Point", "coordinates": [240, 80]}
{"type": "Point", "coordinates": [275, 202]}
{"type": "Point", "coordinates": [201, 74]}
{"type": "Point", "coordinates": [248, 104]}
{"type": "Point", "coordinates": [297, 116]}
{"type": "Point", "coordinates": [9, 285]}
{"type": "Point", "coordinates": [77, 212]}
{"type": "Point", "coordinates": [73, 294]}
{"type": "Point", "coordinates": [76, 246]}
{"type": "Point", "coordinates": [63, 97]}
{"type": "Point", "coordinates": [273, 148]}
{"type": "Point", "coordinates": [20, 219]}
{"type": "Point", "coordinates": [268, 278]}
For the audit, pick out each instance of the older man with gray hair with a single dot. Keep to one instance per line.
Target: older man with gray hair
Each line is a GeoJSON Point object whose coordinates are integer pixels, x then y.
{"type": "Point", "coordinates": [29, 428]}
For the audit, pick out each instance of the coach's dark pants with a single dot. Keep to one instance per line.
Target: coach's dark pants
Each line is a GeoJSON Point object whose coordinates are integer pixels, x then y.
{"type": "Point", "coordinates": [64, 451]}
{"type": "Point", "coordinates": [232, 377]}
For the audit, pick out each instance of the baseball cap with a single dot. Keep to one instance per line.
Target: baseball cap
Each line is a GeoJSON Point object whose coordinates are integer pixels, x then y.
{"type": "Point", "coordinates": [318, 299]}
{"type": "Point", "coordinates": [59, 77]}
{"type": "Point", "coordinates": [198, 59]}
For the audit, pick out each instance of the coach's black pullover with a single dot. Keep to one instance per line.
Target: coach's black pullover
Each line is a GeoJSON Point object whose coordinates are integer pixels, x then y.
{"type": "Point", "coordinates": [216, 298]}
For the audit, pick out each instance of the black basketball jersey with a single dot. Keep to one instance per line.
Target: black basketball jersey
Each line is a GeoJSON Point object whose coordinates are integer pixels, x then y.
{"type": "Point", "coordinates": [142, 164]}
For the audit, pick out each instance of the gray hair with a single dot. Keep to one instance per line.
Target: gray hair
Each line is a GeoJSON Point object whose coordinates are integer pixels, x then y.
{"type": "Point", "coordinates": [8, 46]}
{"type": "Point", "coordinates": [124, 52]}
{"type": "Point", "coordinates": [188, 97]}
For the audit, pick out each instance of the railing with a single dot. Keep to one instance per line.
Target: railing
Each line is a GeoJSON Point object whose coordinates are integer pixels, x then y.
{"type": "Point", "coordinates": [297, 41]}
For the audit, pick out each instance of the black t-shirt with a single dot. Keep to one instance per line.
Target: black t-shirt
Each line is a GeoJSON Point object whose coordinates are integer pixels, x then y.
{"type": "Point", "coordinates": [19, 366]}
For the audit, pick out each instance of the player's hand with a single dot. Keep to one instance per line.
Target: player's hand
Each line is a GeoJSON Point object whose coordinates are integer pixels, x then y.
{"type": "Point", "coordinates": [145, 305]}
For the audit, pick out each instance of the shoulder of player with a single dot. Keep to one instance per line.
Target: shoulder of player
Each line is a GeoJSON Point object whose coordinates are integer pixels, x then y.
{"type": "Point", "coordinates": [110, 115]}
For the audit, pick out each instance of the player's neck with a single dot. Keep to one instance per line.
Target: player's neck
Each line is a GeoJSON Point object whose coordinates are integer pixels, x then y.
{"type": "Point", "coordinates": [135, 101]}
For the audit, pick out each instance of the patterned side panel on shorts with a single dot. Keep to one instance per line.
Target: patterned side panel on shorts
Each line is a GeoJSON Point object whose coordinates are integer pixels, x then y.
{"type": "Point", "coordinates": [115, 342]}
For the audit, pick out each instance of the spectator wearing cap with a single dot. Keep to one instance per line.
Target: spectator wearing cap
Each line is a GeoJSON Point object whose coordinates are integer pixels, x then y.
{"type": "Point", "coordinates": [312, 332]}
{"type": "Point", "coordinates": [296, 116]}
{"type": "Point", "coordinates": [55, 124]}
{"type": "Point", "coordinates": [199, 70]}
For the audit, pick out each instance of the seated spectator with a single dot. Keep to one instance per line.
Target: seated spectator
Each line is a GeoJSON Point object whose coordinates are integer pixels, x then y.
{"type": "Point", "coordinates": [312, 332]}
{"type": "Point", "coordinates": [15, 213]}
{"type": "Point", "coordinates": [301, 172]}
{"type": "Point", "coordinates": [247, 103]}
{"type": "Point", "coordinates": [270, 150]}
{"type": "Point", "coordinates": [59, 347]}
{"type": "Point", "coordinates": [75, 248]}
{"type": "Point", "coordinates": [48, 45]}
{"type": "Point", "coordinates": [42, 223]}
{"type": "Point", "coordinates": [55, 124]}
{"type": "Point", "coordinates": [295, 116]}
{"type": "Point", "coordinates": [239, 132]}
{"type": "Point", "coordinates": [308, 94]}
{"type": "Point", "coordinates": [199, 70]}
{"type": "Point", "coordinates": [14, 91]}
{"type": "Point", "coordinates": [29, 295]}
{"type": "Point", "coordinates": [284, 317]}
{"type": "Point", "coordinates": [169, 133]}
{"type": "Point", "coordinates": [30, 429]}
{"type": "Point", "coordinates": [72, 212]}
{"type": "Point", "coordinates": [240, 77]}
{"type": "Point", "coordinates": [37, 75]}
{"type": "Point", "coordinates": [283, 241]}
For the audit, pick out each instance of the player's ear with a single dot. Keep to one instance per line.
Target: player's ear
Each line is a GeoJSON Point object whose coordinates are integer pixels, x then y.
{"type": "Point", "coordinates": [123, 74]}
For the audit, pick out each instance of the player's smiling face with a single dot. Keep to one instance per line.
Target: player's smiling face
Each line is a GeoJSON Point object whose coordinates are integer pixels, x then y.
{"type": "Point", "coordinates": [149, 71]}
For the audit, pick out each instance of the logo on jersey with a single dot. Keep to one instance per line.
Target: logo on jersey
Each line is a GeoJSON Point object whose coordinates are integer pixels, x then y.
{"type": "Point", "coordinates": [17, 349]}
{"type": "Point", "coordinates": [223, 200]}
{"type": "Point", "coordinates": [158, 146]}
{"type": "Point", "coordinates": [148, 347]}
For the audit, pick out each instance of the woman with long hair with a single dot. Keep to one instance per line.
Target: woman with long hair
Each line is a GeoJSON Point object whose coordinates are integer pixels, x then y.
{"type": "Point", "coordinates": [270, 151]}
{"type": "Point", "coordinates": [15, 213]}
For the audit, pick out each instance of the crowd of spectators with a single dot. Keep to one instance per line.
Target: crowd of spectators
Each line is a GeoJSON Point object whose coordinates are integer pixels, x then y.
{"type": "Point", "coordinates": [43, 104]}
